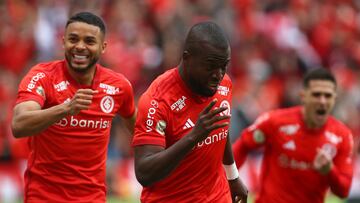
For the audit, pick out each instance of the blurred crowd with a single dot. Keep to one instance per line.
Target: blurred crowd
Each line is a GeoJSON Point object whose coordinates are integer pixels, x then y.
{"type": "Point", "coordinates": [273, 43]}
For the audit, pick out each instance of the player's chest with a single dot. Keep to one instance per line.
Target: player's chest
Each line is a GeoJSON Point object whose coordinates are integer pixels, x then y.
{"type": "Point", "coordinates": [298, 147]}
{"type": "Point", "coordinates": [184, 114]}
{"type": "Point", "coordinates": [104, 103]}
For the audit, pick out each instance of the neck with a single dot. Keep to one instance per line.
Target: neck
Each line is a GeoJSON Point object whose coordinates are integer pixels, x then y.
{"type": "Point", "coordinates": [182, 74]}
{"type": "Point", "coordinates": [307, 120]}
{"type": "Point", "coordinates": [83, 78]}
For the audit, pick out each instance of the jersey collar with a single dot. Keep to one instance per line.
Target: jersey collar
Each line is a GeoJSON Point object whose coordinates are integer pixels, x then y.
{"type": "Point", "coordinates": [72, 81]}
{"type": "Point", "coordinates": [310, 130]}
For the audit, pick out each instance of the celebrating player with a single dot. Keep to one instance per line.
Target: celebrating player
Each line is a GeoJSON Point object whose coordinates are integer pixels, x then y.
{"type": "Point", "coordinates": [306, 150]}
{"type": "Point", "coordinates": [67, 107]}
{"type": "Point", "coordinates": [181, 133]}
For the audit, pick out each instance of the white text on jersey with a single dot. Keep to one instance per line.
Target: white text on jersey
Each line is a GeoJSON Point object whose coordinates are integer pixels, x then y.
{"type": "Point", "coordinates": [223, 90]}
{"type": "Point", "coordinates": [84, 123]}
{"type": "Point", "coordinates": [179, 104]}
{"type": "Point", "coordinates": [150, 115]}
{"type": "Point", "coordinates": [33, 81]}
{"type": "Point", "coordinates": [61, 86]}
{"type": "Point", "coordinates": [108, 89]}
{"type": "Point", "coordinates": [213, 138]}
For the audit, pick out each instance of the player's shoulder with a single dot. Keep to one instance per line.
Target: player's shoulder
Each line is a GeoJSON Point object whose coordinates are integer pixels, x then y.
{"type": "Point", "coordinates": [285, 113]}
{"type": "Point", "coordinates": [46, 71]}
{"type": "Point", "coordinates": [227, 79]}
{"type": "Point", "coordinates": [164, 86]}
{"type": "Point", "coordinates": [281, 116]}
{"type": "Point", "coordinates": [47, 67]}
{"type": "Point", "coordinates": [162, 92]}
{"type": "Point", "coordinates": [338, 126]}
{"type": "Point", "coordinates": [111, 77]}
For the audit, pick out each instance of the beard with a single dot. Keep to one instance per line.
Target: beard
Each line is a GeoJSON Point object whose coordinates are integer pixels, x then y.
{"type": "Point", "coordinates": [201, 89]}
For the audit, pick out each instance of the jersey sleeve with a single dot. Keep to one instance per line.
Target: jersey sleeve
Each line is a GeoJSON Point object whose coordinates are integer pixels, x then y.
{"type": "Point", "coordinates": [151, 121]}
{"type": "Point", "coordinates": [340, 176]}
{"type": "Point", "coordinates": [33, 87]}
{"type": "Point", "coordinates": [253, 137]}
{"type": "Point", "coordinates": [127, 108]}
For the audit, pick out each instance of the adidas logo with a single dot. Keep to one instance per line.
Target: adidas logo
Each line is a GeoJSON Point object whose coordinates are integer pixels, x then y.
{"type": "Point", "coordinates": [290, 145]}
{"type": "Point", "coordinates": [188, 124]}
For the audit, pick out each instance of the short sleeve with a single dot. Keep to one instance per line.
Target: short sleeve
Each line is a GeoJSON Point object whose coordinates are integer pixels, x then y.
{"type": "Point", "coordinates": [341, 174]}
{"type": "Point", "coordinates": [150, 123]}
{"type": "Point", "coordinates": [344, 156]}
{"type": "Point", "coordinates": [32, 87]}
{"type": "Point", "coordinates": [127, 107]}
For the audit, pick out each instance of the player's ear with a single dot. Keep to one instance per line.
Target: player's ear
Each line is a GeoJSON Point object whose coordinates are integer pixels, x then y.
{"type": "Point", "coordinates": [302, 95]}
{"type": "Point", "coordinates": [104, 45]}
{"type": "Point", "coordinates": [186, 55]}
{"type": "Point", "coordinates": [63, 42]}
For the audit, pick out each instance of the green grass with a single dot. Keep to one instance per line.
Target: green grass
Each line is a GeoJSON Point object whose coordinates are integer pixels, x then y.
{"type": "Point", "coordinates": [330, 199]}
{"type": "Point", "coordinates": [123, 200]}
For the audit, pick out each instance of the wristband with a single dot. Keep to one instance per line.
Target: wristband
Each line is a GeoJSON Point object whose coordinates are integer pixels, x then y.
{"type": "Point", "coordinates": [231, 171]}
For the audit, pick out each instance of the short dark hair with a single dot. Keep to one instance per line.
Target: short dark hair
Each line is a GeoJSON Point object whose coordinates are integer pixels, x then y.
{"type": "Point", "coordinates": [205, 31]}
{"type": "Point", "coordinates": [318, 74]}
{"type": "Point", "coordinates": [89, 18]}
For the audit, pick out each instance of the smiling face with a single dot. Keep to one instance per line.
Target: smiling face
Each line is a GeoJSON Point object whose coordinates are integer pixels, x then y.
{"type": "Point", "coordinates": [206, 69]}
{"type": "Point", "coordinates": [318, 99]}
{"type": "Point", "coordinates": [83, 44]}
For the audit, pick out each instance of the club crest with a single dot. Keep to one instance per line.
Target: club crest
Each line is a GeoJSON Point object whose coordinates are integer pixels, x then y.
{"type": "Point", "coordinates": [107, 104]}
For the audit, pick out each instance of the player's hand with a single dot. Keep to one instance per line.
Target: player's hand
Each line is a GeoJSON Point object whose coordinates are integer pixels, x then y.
{"type": "Point", "coordinates": [80, 101]}
{"type": "Point", "coordinates": [239, 192]}
{"type": "Point", "coordinates": [208, 121]}
{"type": "Point", "coordinates": [322, 161]}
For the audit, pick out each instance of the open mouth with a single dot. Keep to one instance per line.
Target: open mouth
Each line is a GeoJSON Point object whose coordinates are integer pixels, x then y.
{"type": "Point", "coordinates": [320, 112]}
{"type": "Point", "coordinates": [80, 58]}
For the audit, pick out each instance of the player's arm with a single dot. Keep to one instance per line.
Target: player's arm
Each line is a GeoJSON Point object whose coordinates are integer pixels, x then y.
{"type": "Point", "coordinates": [239, 191]}
{"type": "Point", "coordinates": [153, 163]}
{"type": "Point", "coordinates": [251, 138]}
{"type": "Point", "coordinates": [128, 110]}
{"type": "Point", "coordinates": [340, 169]}
{"type": "Point", "coordinates": [130, 122]}
{"type": "Point", "coordinates": [29, 119]}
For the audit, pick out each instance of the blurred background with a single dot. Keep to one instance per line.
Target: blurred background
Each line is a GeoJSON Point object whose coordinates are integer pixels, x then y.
{"type": "Point", "coordinates": [273, 43]}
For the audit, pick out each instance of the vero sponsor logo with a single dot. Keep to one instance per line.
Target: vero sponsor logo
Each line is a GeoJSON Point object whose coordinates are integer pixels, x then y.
{"type": "Point", "coordinates": [34, 80]}
{"type": "Point", "coordinates": [150, 115]}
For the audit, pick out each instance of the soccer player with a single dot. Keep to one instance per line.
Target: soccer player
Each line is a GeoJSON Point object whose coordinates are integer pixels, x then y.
{"type": "Point", "coordinates": [181, 133]}
{"type": "Point", "coordinates": [66, 107]}
{"type": "Point", "coordinates": [306, 150]}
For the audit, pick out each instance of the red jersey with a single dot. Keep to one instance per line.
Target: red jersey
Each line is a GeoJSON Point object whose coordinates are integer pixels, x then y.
{"type": "Point", "coordinates": [287, 172]}
{"type": "Point", "coordinates": [168, 111]}
{"type": "Point", "coordinates": [67, 160]}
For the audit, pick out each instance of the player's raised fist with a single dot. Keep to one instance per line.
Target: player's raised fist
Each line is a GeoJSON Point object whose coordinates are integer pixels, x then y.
{"type": "Point", "coordinates": [81, 100]}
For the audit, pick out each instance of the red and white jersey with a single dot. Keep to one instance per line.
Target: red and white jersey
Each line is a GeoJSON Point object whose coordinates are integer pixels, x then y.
{"type": "Point", "coordinates": [168, 111]}
{"type": "Point", "coordinates": [67, 160]}
{"type": "Point", "coordinates": [287, 172]}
